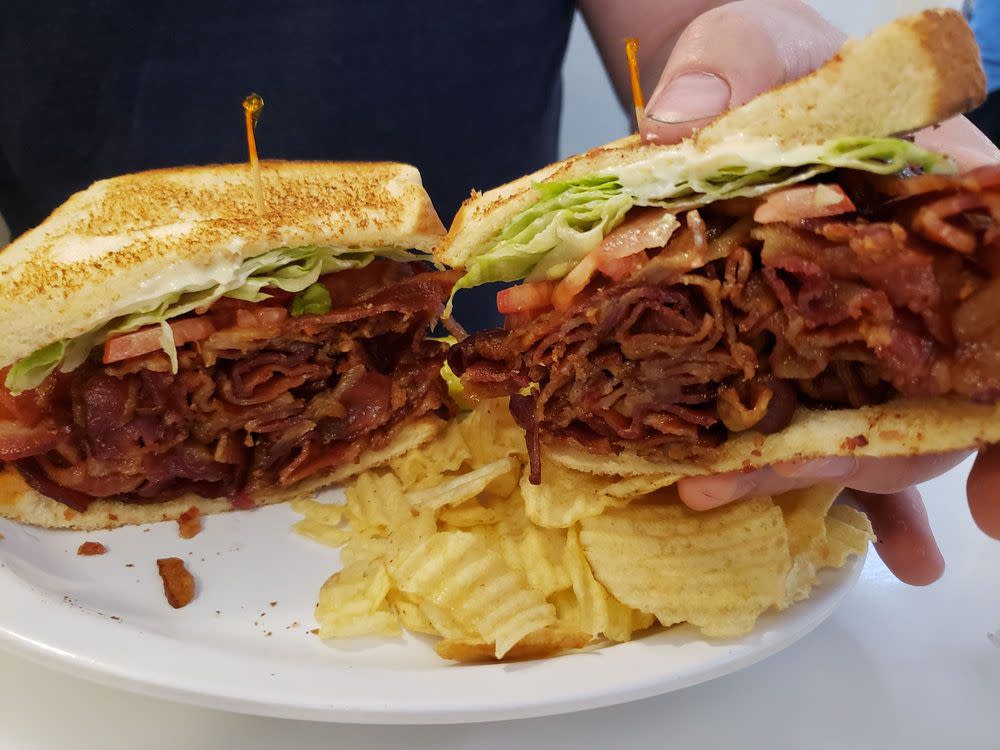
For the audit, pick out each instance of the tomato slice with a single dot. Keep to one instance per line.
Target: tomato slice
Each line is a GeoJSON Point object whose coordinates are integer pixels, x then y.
{"type": "Point", "coordinates": [643, 228]}
{"type": "Point", "coordinates": [531, 295]}
{"type": "Point", "coordinates": [618, 268]}
{"type": "Point", "coordinates": [26, 408]}
{"type": "Point", "coordinates": [574, 283]}
{"type": "Point", "coordinates": [803, 202]}
{"type": "Point", "coordinates": [261, 317]}
{"type": "Point", "coordinates": [147, 340]}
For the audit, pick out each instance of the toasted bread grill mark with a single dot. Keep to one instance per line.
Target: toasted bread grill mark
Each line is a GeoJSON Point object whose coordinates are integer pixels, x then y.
{"type": "Point", "coordinates": [91, 258]}
{"type": "Point", "coordinates": [914, 72]}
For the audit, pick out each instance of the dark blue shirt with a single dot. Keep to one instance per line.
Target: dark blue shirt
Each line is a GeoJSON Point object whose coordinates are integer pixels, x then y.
{"type": "Point", "coordinates": [985, 23]}
{"type": "Point", "coordinates": [467, 90]}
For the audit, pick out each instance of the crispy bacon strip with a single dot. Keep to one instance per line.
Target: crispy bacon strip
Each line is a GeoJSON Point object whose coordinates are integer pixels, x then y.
{"type": "Point", "coordinates": [736, 321]}
{"type": "Point", "coordinates": [261, 399]}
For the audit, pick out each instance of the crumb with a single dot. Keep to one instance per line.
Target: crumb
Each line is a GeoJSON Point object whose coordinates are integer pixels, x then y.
{"type": "Point", "coordinates": [294, 624]}
{"type": "Point", "coordinates": [129, 565]}
{"type": "Point", "coordinates": [853, 443]}
{"type": "Point", "coordinates": [145, 531]}
{"type": "Point", "coordinates": [314, 631]}
{"type": "Point", "coordinates": [116, 618]}
{"type": "Point", "coordinates": [189, 523]}
{"type": "Point", "coordinates": [88, 549]}
{"type": "Point", "coordinates": [1, 536]}
{"type": "Point", "coordinates": [267, 634]}
{"type": "Point", "coordinates": [178, 583]}
{"type": "Point", "coordinates": [274, 604]}
{"type": "Point", "coordinates": [218, 612]}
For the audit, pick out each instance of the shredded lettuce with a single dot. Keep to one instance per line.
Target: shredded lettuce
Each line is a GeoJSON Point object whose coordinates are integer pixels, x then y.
{"type": "Point", "coordinates": [313, 300]}
{"type": "Point", "coordinates": [34, 368]}
{"type": "Point", "coordinates": [288, 269]}
{"type": "Point", "coordinates": [571, 218]}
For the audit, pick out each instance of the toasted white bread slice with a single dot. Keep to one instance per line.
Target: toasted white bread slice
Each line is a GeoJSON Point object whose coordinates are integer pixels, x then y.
{"type": "Point", "coordinates": [902, 427]}
{"type": "Point", "coordinates": [127, 240]}
{"type": "Point", "coordinates": [21, 503]}
{"type": "Point", "coordinates": [914, 72]}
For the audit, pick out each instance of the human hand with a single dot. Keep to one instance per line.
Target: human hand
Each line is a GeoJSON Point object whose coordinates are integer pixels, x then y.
{"type": "Point", "coordinates": [724, 58]}
{"type": "Point", "coordinates": [880, 487]}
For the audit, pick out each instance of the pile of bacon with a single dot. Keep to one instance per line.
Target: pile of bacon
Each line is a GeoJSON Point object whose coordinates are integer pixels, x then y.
{"type": "Point", "coordinates": [844, 292]}
{"type": "Point", "coordinates": [261, 399]}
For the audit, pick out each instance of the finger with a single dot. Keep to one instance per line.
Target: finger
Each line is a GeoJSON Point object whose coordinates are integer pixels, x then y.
{"type": "Point", "coordinates": [983, 489]}
{"type": "Point", "coordinates": [882, 475]}
{"type": "Point", "coordinates": [903, 536]}
{"type": "Point", "coordinates": [730, 54]}
{"type": "Point", "coordinates": [705, 493]}
{"type": "Point", "coordinates": [962, 141]}
{"type": "Point", "coordinates": [879, 475]}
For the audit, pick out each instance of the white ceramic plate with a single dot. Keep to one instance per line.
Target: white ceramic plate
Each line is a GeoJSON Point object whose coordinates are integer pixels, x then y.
{"type": "Point", "coordinates": [244, 643]}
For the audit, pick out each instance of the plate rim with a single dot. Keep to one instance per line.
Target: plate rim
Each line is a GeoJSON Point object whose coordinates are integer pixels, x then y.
{"type": "Point", "coordinates": [797, 622]}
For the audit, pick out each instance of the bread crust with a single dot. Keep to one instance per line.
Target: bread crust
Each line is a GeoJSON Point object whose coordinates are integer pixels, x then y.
{"type": "Point", "coordinates": [21, 503]}
{"type": "Point", "coordinates": [902, 427]}
{"type": "Point", "coordinates": [119, 242]}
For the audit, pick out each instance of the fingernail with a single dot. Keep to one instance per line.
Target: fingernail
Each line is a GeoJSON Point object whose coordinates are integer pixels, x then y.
{"type": "Point", "coordinates": [690, 96]}
{"type": "Point", "coordinates": [833, 467]}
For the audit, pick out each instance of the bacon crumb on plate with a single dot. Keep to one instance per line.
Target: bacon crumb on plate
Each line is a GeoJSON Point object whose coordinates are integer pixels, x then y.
{"type": "Point", "coordinates": [87, 549]}
{"type": "Point", "coordinates": [189, 522]}
{"type": "Point", "coordinates": [178, 583]}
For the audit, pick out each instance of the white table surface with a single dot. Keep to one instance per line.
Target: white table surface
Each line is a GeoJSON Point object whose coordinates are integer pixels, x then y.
{"type": "Point", "coordinates": [894, 667]}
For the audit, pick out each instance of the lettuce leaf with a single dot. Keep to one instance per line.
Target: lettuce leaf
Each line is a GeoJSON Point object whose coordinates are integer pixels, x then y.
{"type": "Point", "coordinates": [455, 388]}
{"type": "Point", "coordinates": [288, 269]}
{"type": "Point", "coordinates": [313, 300]}
{"type": "Point", "coordinates": [34, 368]}
{"type": "Point", "coordinates": [571, 218]}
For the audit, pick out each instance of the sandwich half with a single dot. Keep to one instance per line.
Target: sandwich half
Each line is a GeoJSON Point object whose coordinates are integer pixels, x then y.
{"type": "Point", "coordinates": [165, 345]}
{"type": "Point", "coordinates": [799, 279]}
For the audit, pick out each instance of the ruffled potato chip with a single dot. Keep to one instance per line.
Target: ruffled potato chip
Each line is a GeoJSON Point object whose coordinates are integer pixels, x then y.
{"type": "Point", "coordinates": [331, 536]}
{"type": "Point", "coordinates": [718, 570]}
{"type": "Point", "coordinates": [537, 645]}
{"type": "Point", "coordinates": [597, 612]}
{"type": "Point", "coordinates": [457, 490]}
{"type": "Point", "coordinates": [566, 496]}
{"type": "Point", "coordinates": [353, 602]}
{"type": "Point", "coordinates": [491, 433]}
{"type": "Point", "coordinates": [375, 504]}
{"type": "Point", "coordinates": [455, 542]}
{"type": "Point", "coordinates": [458, 572]}
{"type": "Point", "coordinates": [848, 532]}
{"type": "Point", "coordinates": [426, 466]}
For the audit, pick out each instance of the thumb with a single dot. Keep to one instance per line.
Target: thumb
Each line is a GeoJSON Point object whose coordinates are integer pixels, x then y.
{"type": "Point", "coordinates": [730, 54]}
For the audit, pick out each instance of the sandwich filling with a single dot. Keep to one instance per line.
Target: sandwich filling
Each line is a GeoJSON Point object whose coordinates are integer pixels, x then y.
{"type": "Point", "coordinates": [681, 327]}
{"type": "Point", "coordinates": [238, 395]}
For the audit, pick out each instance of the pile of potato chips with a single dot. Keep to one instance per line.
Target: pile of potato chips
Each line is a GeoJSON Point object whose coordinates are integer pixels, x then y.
{"type": "Point", "coordinates": [452, 540]}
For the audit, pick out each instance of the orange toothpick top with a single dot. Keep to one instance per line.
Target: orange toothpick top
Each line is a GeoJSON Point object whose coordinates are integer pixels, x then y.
{"type": "Point", "coordinates": [631, 50]}
{"type": "Point", "coordinates": [252, 105]}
